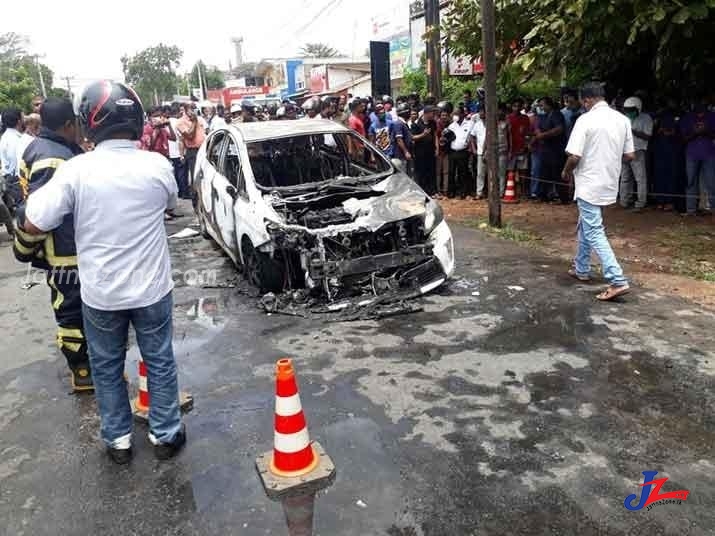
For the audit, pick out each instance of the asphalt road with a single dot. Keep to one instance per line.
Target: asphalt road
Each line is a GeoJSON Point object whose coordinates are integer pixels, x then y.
{"type": "Point", "coordinates": [514, 404]}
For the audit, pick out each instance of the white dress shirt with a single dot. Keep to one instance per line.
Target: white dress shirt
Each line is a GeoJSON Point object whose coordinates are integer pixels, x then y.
{"type": "Point", "coordinates": [8, 152]}
{"type": "Point", "coordinates": [600, 137]}
{"type": "Point", "coordinates": [118, 195]}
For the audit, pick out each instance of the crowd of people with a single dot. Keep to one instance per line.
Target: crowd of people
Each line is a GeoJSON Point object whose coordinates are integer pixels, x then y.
{"type": "Point", "coordinates": [442, 145]}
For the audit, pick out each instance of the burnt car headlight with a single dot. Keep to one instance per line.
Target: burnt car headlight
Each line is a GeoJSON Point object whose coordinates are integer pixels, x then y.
{"type": "Point", "coordinates": [434, 215]}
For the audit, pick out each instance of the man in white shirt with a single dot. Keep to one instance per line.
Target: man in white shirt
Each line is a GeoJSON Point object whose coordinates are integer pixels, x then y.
{"type": "Point", "coordinates": [118, 195]}
{"type": "Point", "coordinates": [477, 136]}
{"type": "Point", "coordinates": [12, 120]}
{"type": "Point", "coordinates": [600, 141]}
{"type": "Point", "coordinates": [635, 170]}
{"type": "Point", "coordinates": [459, 179]}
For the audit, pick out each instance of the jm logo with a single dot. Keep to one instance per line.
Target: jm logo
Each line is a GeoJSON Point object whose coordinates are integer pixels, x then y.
{"type": "Point", "coordinates": [651, 492]}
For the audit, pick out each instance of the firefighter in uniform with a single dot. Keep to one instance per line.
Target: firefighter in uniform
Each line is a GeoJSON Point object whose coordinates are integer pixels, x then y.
{"type": "Point", "coordinates": [55, 251]}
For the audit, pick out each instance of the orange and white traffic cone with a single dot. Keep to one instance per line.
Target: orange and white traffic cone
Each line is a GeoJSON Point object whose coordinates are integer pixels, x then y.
{"type": "Point", "coordinates": [293, 454]}
{"type": "Point", "coordinates": [140, 405]}
{"type": "Point", "coordinates": [142, 401]}
{"type": "Point", "coordinates": [510, 192]}
{"type": "Point", "coordinates": [296, 466]}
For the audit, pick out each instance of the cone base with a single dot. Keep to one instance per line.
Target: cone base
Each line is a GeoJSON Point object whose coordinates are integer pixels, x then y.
{"type": "Point", "coordinates": [279, 487]}
{"type": "Point", "coordinates": [301, 472]}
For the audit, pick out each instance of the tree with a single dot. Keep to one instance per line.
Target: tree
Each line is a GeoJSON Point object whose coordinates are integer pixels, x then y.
{"type": "Point", "coordinates": [664, 44]}
{"type": "Point", "coordinates": [152, 72]}
{"type": "Point", "coordinates": [212, 76]}
{"type": "Point", "coordinates": [318, 50]}
{"type": "Point", "coordinates": [19, 73]}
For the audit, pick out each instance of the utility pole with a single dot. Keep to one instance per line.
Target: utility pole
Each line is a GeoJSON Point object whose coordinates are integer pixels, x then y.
{"type": "Point", "coordinates": [69, 87]}
{"type": "Point", "coordinates": [433, 53]}
{"type": "Point", "coordinates": [490, 87]}
{"type": "Point", "coordinates": [201, 81]}
{"type": "Point", "coordinates": [42, 78]}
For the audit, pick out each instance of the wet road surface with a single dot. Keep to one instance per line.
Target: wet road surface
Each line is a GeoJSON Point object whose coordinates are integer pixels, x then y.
{"type": "Point", "coordinates": [514, 404]}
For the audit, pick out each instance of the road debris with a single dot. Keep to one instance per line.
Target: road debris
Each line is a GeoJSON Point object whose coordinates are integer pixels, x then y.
{"type": "Point", "coordinates": [185, 233]}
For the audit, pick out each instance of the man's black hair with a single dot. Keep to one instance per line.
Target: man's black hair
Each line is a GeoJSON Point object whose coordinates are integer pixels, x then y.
{"type": "Point", "coordinates": [56, 112]}
{"type": "Point", "coordinates": [468, 92]}
{"type": "Point", "coordinates": [11, 117]}
{"type": "Point", "coordinates": [518, 100]}
{"type": "Point", "coordinates": [155, 110]}
{"type": "Point", "coordinates": [593, 90]}
{"type": "Point", "coordinates": [549, 101]}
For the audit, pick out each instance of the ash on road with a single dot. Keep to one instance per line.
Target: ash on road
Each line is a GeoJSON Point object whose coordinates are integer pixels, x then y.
{"type": "Point", "coordinates": [513, 404]}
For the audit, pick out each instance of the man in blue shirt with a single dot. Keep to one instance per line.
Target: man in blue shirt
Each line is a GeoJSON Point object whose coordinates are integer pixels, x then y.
{"type": "Point", "coordinates": [379, 130]}
{"type": "Point", "coordinates": [401, 136]}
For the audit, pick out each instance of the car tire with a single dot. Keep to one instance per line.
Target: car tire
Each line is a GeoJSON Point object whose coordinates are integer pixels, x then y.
{"type": "Point", "coordinates": [260, 270]}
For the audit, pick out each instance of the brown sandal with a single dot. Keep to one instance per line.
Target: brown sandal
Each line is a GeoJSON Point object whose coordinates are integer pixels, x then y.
{"type": "Point", "coordinates": [612, 292]}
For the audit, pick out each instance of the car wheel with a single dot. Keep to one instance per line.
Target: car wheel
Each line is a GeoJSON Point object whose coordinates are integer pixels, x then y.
{"type": "Point", "coordinates": [261, 271]}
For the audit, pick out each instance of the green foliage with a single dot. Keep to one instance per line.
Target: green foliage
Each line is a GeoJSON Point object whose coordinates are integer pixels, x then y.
{"type": "Point", "coordinates": [152, 72]}
{"type": "Point", "coordinates": [666, 43]}
{"type": "Point", "coordinates": [19, 73]}
{"type": "Point", "coordinates": [213, 77]}
{"type": "Point", "coordinates": [453, 88]}
{"type": "Point", "coordinates": [415, 81]}
{"type": "Point", "coordinates": [318, 50]}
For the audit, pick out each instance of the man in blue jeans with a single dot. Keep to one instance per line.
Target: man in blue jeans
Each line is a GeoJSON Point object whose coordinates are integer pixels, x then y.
{"type": "Point", "coordinates": [600, 141]}
{"type": "Point", "coordinates": [118, 195]}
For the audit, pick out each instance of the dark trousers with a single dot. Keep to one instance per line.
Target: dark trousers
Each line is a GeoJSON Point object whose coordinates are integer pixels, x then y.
{"type": "Point", "coordinates": [425, 171]}
{"type": "Point", "coordinates": [190, 163]}
{"type": "Point", "coordinates": [181, 179]}
{"type": "Point", "coordinates": [458, 173]}
{"type": "Point", "coordinates": [551, 168]}
{"type": "Point", "coordinates": [67, 306]}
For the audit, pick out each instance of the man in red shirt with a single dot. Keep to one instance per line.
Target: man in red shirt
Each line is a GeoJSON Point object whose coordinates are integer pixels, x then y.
{"type": "Point", "coordinates": [156, 134]}
{"type": "Point", "coordinates": [520, 128]}
{"type": "Point", "coordinates": [355, 122]}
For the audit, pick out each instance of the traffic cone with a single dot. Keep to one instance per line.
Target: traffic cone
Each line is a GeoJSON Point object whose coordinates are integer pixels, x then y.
{"type": "Point", "coordinates": [293, 453]}
{"type": "Point", "coordinates": [510, 192]}
{"type": "Point", "coordinates": [140, 405]}
{"type": "Point", "coordinates": [142, 401]}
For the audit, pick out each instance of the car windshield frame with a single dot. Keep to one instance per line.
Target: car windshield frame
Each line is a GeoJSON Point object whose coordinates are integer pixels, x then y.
{"type": "Point", "coordinates": [340, 138]}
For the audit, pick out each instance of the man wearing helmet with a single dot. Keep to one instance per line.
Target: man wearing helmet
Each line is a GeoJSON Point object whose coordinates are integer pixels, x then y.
{"type": "Point", "coordinates": [55, 251]}
{"type": "Point", "coordinates": [311, 108]}
{"type": "Point", "coordinates": [118, 195]}
{"type": "Point", "coordinates": [248, 112]}
{"type": "Point", "coordinates": [635, 170]}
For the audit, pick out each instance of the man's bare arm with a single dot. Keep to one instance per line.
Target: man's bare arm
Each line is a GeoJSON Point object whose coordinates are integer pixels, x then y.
{"type": "Point", "coordinates": [571, 163]}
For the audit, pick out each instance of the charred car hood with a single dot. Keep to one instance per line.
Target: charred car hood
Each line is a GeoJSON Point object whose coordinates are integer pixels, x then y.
{"type": "Point", "coordinates": [370, 207]}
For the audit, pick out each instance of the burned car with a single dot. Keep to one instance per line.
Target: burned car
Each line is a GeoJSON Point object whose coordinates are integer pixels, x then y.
{"type": "Point", "coordinates": [309, 204]}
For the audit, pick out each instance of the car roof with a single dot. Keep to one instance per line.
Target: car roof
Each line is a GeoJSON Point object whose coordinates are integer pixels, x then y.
{"type": "Point", "coordinates": [266, 130]}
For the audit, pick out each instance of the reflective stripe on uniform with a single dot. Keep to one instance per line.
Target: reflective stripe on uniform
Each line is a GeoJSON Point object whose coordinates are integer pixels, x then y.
{"type": "Point", "coordinates": [28, 238]}
{"type": "Point", "coordinates": [22, 249]}
{"type": "Point", "coordinates": [70, 338]}
{"type": "Point", "coordinates": [55, 260]}
{"type": "Point", "coordinates": [24, 179]}
{"type": "Point", "coordinates": [44, 164]}
{"type": "Point", "coordinates": [59, 298]}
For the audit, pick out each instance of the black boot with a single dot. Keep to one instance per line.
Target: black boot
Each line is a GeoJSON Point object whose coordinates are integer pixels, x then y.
{"type": "Point", "coordinates": [82, 379]}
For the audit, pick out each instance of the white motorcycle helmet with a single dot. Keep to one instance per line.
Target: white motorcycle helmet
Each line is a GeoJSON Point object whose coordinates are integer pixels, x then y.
{"type": "Point", "coordinates": [634, 102]}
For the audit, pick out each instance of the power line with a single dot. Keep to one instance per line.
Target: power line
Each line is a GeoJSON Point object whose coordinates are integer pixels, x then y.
{"type": "Point", "coordinates": [330, 6]}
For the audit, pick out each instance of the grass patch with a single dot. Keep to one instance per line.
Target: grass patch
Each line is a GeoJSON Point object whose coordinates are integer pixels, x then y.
{"type": "Point", "coordinates": [692, 250]}
{"type": "Point", "coordinates": [507, 231]}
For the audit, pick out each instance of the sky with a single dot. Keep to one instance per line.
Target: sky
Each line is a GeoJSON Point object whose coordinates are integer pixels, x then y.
{"type": "Point", "coordinates": [85, 39]}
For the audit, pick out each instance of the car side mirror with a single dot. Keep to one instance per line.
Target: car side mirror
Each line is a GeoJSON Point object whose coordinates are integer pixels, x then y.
{"type": "Point", "coordinates": [399, 165]}
{"type": "Point", "coordinates": [231, 190]}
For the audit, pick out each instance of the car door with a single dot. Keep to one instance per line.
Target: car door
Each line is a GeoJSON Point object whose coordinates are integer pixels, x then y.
{"type": "Point", "coordinates": [249, 206]}
{"type": "Point", "coordinates": [224, 189]}
{"type": "Point", "coordinates": [208, 168]}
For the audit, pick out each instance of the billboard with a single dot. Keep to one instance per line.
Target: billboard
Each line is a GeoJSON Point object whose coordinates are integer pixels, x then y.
{"type": "Point", "coordinates": [319, 79]}
{"type": "Point", "coordinates": [399, 54]}
{"type": "Point", "coordinates": [295, 76]}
